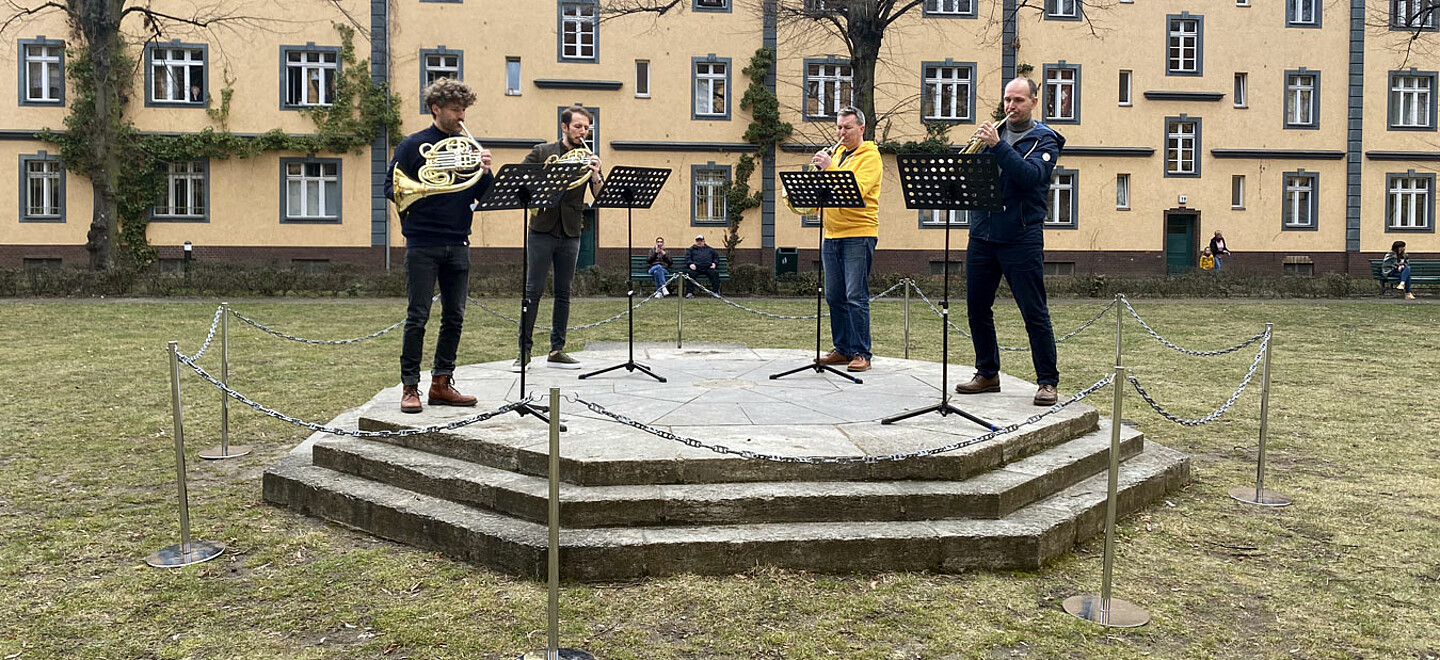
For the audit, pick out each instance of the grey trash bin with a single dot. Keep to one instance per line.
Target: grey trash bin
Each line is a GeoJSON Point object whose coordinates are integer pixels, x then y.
{"type": "Point", "coordinates": [786, 262]}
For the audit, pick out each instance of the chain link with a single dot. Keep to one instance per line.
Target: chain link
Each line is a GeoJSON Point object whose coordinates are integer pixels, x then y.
{"type": "Point", "coordinates": [1263, 335]}
{"type": "Point", "coordinates": [841, 460]}
{"type": "Point", "coordinates": [1218, 412]}
{"type": "Point", "coordinates": [312, 426]}
{"type": "Point", "coordinates": [315, 342]}
{"type": "Point", "coordinates": [214, 323]}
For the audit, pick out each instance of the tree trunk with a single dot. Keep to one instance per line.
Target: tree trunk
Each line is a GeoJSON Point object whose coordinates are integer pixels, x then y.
{"type": "Point", "coordinates": [866, 31]}
{"type": "Point", "coordinates": [98, 23]}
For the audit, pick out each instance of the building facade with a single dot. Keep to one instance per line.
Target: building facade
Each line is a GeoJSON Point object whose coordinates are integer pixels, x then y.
{"type": "Point", "coordinates": [1305, 130]}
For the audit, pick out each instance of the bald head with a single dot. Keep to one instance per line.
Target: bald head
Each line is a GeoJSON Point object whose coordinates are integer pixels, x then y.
{"type": "Point", "coordinates": [1020, 97]}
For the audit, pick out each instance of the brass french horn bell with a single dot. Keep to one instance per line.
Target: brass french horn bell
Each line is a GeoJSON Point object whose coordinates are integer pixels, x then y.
{"type": "Point", "coordinates": [451, 165]}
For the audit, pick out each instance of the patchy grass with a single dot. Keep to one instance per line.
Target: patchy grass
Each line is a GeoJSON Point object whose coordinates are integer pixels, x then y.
{"type": "Point", "coordinates": [87, 490]}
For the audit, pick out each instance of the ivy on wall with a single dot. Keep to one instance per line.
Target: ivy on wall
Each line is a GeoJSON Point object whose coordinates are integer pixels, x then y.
{"type": "Point", "coordinates": [363, 110]}
{"type": "Point", "coordinates": [766, 131]}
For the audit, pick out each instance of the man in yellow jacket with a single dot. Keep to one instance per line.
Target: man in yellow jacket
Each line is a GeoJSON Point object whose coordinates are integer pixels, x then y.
{"type": "Point", "coordinates": [849, 245]}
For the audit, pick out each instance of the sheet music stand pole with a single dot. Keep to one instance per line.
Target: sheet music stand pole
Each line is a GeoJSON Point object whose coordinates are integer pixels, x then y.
{"type": "Point", "coordinates": [953, 202]}
{"type": "Point", "coordinates": [627, 179]}
{"type": "Point", "coordinates": [539, 412]}
{"type": "Point", "coordinates": [822, 197]}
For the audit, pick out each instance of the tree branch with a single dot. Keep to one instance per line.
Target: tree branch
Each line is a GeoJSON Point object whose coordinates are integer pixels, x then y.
{"type": "Point", "coordinates": [22, 12]}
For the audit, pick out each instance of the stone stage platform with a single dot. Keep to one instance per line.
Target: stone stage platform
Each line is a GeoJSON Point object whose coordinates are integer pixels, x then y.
{"type": "Point", "coordinates": [635, 504]}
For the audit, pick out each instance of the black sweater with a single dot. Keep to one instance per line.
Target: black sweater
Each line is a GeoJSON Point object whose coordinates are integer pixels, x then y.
{"type": "Point", "coordinates": [437, 219]}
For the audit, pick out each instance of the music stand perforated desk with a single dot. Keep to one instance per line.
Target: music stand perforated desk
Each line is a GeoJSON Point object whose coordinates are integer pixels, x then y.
{"type": "Point", "coordinates": [528, 186]}
{"type": "Point", "coordinates": [834, 189]}
{"type": "Point", "coordinates": [948, 182]}
{"type": "Point", "coordinates": [630, 188]}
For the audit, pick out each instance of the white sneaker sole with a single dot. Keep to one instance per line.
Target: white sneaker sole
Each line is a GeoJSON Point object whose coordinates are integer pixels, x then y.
{"type": "Point", "coordinates": [563, 365]}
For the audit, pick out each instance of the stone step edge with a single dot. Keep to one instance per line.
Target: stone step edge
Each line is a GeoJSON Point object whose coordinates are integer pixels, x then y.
{"type": "Point", "coordinates": [533, 460]}
{"type": "Point", "coordinates": [1024, 540]}
{"type": "Point", "coordinates": [991, 495]}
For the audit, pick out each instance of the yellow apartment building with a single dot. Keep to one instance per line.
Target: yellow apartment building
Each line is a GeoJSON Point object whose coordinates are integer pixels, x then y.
{"type": "Point", "coordinates": [1305, 130]}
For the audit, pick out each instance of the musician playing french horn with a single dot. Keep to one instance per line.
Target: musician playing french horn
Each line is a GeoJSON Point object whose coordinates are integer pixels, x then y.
{"type": "Point", "coordinates": [848, 248]}
{"type": "Point", "coordinates": [435, 176]}
{"type": "Point", "coordinates": [554, 240]}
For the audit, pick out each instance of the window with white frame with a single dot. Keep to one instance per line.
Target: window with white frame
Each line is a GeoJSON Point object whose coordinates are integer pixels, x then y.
{"type": "Point", "coordinates": [828, 88]}
{"type": "Point", "coordinates": [512, 76]}
{"type": "Point", "coordinates": [176, 73]}
{"type": "Point", "coordinates": [1301, 203]}
{"type": "Point", "coordinates": [1062, 92]}
{"type": "Point", "coordinates": [707, 206]}
{"type": "Point", "coordinates": [1237, 191]}
{"type": "Point", "coordinates": [1409, 201]}
{"type": "Point", "coordinates": [579, 30]}
{"type": "Point", "coordinates": [1063, 9]}
{"type": "Point", "coordinates": [1062, 198]}
{"type": "Point", "coordinates": [1126, 85]}
{"type": "Point", "coordinates": [439, 64]}
{"type": "Point", "coordinates": [1301, 99]}
{"type": "Point", "coordinates": [1414, 14]}
{"type": "Point", "coordinates": [310, 76]}
{"type": "Point", "coordinates": [1241, 96]}
{"type": "Point", "coordinates": [642, 78]}
{"type": "Point", "coordinates": [1183, 55]}
{"type": "Point", "coordinates": [1302, 13]}
{"type": "Point", "coordinates": [1122, 192]}
{"type": "Point", "coordinates": [312, 190]}
{"type": "Point", "coordinates": [1412, 100]}
{"type": "Point", "coordinates": [943, 218]}
{"type": "Point", "coordinates": [948, 92]}
{"type": "Point", "coordinates": [712, 5]}
{"type": "Point", "coordinates": [42, 67]}
{"type": "Point", "coordinates": [824, 6]}
{"type": "Point", "coordinates": [712, 88]}
{"type": "Point", "coordinates": [1182, 146]}
{"type": "Point", "coordinates": [43, 182]}
{"type": "Point", "coordinates": [185, 192]}
{"type": "Point", "coordinates": [949, 7]}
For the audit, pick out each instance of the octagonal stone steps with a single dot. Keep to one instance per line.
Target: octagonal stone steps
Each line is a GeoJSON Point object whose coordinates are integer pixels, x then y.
{"type": "Point", "coordinates": [992, 494]}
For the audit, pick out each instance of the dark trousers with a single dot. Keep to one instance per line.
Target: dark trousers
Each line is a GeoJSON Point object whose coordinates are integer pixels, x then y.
{"type": "Point", "coordinates": [424, 266]}
{"type": "Point", "coordinates": [1023, 267]}
{"type": "Point", "coordinates": [708, 273]}
{"type": "Point", "coordinates": [548, 251]}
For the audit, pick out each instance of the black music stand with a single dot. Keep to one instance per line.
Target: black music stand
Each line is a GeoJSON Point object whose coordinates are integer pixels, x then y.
{"type": "Point", "coordinates": [528, 186]}
{"type": "Point", "coordinates": [948, 182]}
{"type": "Point", "coordinates": [821, 189]}
{"type": "Point", "coordinates": [630, 187]}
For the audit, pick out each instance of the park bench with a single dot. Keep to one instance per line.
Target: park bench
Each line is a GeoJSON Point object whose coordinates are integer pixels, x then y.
{"type": "Point", "coordinates": [1423, 272]}
{"type": "Point", "coordinates": [639, 270]}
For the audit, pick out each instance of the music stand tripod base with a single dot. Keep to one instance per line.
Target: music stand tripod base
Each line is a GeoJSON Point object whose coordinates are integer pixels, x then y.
{"type": "Point", "coordinates": [561, 654]}
{"type": "Point", "coordinates": [1121, 614]}
{"type": "Point", "coordinates": [175, 557]}
{"type": "Point", "coordinates": [1262, 497]}
{"type": "Point", "coordinates": [219, 453]}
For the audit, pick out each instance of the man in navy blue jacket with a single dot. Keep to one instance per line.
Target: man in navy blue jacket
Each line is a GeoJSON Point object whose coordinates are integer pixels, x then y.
{"type": "Point", "coordinates": [437, 249]}
{"type": "Point", "coordinates": [1011, 243]}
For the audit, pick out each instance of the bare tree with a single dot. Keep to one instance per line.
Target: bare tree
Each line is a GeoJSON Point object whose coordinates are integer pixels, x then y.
{"type": "Point", "coordinates": [1412, 22]}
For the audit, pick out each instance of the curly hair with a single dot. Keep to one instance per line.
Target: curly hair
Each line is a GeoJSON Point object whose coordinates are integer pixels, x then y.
{"type": "Point", "coordinates": [445, 91]}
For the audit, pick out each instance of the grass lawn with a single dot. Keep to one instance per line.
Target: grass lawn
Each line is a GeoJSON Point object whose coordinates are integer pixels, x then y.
{"type": "Point", "coordinates": [87, 490]}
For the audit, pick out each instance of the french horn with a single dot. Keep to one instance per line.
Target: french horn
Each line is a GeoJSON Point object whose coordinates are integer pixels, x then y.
{"type": "Point", "coordinates": [451, 165]}
{"type": "Point", "coordinates": [785, 195]}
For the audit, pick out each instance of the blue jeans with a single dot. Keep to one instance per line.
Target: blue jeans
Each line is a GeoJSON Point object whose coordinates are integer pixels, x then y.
{"type": "Point", "coordinates": [424, 266]}
{"type": "Point", "coordinates": [1023, 266]}
{"type": "Point", "coordinates": [1403, 274]}
{"type": "Point", "coordinates": [546, 251]}
{"type": "Point", "coordinates": [847, 290]}
{"type": "Point", "coordinates": [659, 273]}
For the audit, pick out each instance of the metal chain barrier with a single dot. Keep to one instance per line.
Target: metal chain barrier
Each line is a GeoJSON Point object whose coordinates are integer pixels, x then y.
{"type": "Point", "coordinates": [1156, 335]}
{"type": "Point", "coordinates": [617, 317]}
{"type": "Point", "coordinates": [786, 317]}
{"type": "Point", "coordinates": [1218, 412]}
{"type": "Point", "coordinates": [316, 342]}
{"type": "Point", "coordinates": [190, 362]}
{"type": "Point", "coordinates": [1062, 338]}
{"type": "Point", "coordinates": [214, 323]}
{"type": "Point", "coordinates": [842, 460]}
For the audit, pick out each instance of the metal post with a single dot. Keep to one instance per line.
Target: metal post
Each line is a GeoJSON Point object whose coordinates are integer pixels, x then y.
{"type": "Point", "coordinates": [908, 283]}
{"type": "Point", "coordinates": [224, 450]}
{"type": "Point", "coordinates": [187, 552]}
{"type": "Point", "coordinates": [1102, 609]}
{"type": "Point", "coordinates": [680, 308]}
{"type": "Point", "coordinates": [1258, 494]}
{"type": "Point", "coordinates": [553, 650]}
{"type": "Point", "coordinates": [1118, 328]}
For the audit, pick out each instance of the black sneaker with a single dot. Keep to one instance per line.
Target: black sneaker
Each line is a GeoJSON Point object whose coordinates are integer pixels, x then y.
{"type": "Point", "coordinates": [559, 360]}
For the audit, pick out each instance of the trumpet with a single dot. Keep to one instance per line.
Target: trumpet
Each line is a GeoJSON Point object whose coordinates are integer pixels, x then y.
{"type": "Point", "coordinates": [976, 144]}
{"type": "Point", "coordinates": [451, 165]}
{"type": "Point", "coordinates": [785, 195]}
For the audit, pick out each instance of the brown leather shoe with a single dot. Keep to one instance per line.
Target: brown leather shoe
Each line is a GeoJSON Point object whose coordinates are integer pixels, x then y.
{"type": "Point", "coordinates": [860, 363]}
{"type": "Point", "coordinates": [1046, 396]}
{"type": "Point", "coordinates": [979, 384]}
{"type": "Point", "coordinates": [834, 357]}
{"type": "Point", "coordinates": [410, 399]}
{"type": "Point", "coordinates": [443, 393]}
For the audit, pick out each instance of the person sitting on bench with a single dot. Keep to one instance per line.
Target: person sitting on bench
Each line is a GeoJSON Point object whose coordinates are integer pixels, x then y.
{"type": "Point", "coordinates": [703, 260]}
{"type": "Point", "coordinates": [1397, 265]}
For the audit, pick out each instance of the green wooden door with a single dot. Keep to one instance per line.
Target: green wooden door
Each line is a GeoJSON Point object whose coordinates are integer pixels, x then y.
{"type": "Point", "coordinates": [1180, 256]}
